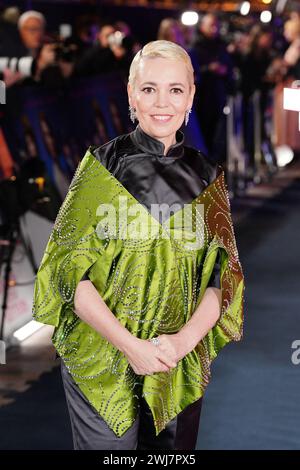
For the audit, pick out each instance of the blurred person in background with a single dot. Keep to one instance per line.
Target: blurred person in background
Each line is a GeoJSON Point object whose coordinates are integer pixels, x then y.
{"type": "Point", "coordinates": [124, 27]}
{"type": "Point", "coordinates": [27, 55]}
{"type": "Point", "coordinates": [83, 34]}
{"type": "Point", "coordinates": [11, 15]}
{"type": "Point", "coordinates": [253, 58]}
{"type": "Point", "coordinates": [112, 51]}
{"type": "Point", "coordinates": [286, 126]}
{"type": "Point", "coordinates": [292, 55]}
{"type": "Point", "coordinates": [214, 71]}
{"type": "Point", "coordinates": [171, 30]}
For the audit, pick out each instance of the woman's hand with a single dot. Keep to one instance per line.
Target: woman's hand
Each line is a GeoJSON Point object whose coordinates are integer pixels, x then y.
{"type": "Point", "coordinates": [145, 358]}
{"type": "Point", "coordinates": [175, 346]}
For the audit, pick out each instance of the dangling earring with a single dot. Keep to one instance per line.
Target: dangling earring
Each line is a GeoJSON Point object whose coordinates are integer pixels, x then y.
{"type": "Point", "coordinates": [132, 114]}
{"type": "Point", "coordinates": [187, 116]}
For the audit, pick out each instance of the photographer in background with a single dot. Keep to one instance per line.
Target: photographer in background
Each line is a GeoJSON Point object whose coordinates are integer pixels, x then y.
{"type": "Point", "coordinates": [214, 71]}
{"type": "Point", "coordinates": [112, 51]}
{"type": "Point", "coordinates": [26, 55]}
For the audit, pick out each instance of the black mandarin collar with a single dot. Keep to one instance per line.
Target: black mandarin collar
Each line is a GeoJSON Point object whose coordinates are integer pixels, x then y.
{"type": "Point", "coordinates": [151, 145]}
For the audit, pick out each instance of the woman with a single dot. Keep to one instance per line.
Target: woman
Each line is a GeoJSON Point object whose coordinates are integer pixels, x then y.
{"type": "Point", "coordinates": [142, 303]}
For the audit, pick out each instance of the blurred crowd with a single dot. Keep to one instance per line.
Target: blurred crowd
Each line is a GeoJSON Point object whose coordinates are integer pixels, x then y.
{"type": "Point", "coordinates": [229, 57]}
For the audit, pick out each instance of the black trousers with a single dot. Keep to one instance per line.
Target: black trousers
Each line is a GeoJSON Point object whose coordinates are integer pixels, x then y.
{"type": "Point", "coordinates": [90, 431]}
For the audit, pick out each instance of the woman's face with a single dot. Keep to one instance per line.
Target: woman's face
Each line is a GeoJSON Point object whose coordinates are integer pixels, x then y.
{"type": "Point", "coordinates": [161, 95]}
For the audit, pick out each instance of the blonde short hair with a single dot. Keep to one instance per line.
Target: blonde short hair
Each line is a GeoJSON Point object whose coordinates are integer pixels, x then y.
{"type": "Point", "coordinates": [164, 49]}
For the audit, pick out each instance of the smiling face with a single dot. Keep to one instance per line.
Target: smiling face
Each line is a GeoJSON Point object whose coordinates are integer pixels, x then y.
{"type": "Point", "coordinates": [161, 95]}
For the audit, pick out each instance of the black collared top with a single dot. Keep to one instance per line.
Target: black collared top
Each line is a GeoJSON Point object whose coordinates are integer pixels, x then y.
{"type": "Point", "coordinates": [151, 145]}
{"type": "Point", "coordinates": [137, 160]}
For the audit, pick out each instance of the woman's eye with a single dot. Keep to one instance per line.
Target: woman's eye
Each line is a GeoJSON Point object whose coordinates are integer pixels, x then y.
{"type": "Point", "coordinates": [149, 89]}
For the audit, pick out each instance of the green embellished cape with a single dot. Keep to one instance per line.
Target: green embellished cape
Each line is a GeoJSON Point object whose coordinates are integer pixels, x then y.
{"type": "Point", "coordinates": [152, 283]}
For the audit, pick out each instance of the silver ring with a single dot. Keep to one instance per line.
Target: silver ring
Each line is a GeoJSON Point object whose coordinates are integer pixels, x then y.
{"type": "Point", "coordinates": [155, 341]}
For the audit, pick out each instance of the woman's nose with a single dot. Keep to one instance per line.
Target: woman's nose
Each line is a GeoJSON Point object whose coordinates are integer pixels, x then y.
{"type": "Point", "coordinates": [162, 99]}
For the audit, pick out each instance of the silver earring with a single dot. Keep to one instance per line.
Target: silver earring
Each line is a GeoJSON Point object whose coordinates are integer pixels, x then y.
{"type": "Point", "coordinates": [132, 114]}
{"type": "Point", "coordinates": [187, 116]}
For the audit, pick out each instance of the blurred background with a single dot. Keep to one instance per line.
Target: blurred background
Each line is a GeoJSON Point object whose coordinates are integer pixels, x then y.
{"type": "Point", "coordinates": [63, 70]}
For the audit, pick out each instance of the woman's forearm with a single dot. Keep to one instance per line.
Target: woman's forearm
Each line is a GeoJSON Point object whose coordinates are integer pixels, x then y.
{"type": "Point", "coordinates": [203, 319]}
{"type": "Point", "coordinates": [92, 309]}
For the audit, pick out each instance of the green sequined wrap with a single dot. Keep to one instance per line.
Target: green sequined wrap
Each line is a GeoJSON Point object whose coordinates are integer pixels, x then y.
{"type": "Point", "coordinates": [152, 285]}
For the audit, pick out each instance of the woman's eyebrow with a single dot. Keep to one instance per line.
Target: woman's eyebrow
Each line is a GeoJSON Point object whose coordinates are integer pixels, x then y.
{"type": "Point", "coordinates": [171, 84]}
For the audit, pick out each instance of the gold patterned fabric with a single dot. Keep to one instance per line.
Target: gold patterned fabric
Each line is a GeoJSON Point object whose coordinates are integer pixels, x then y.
{"type": "Point", "coordinates": [152, 283]}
